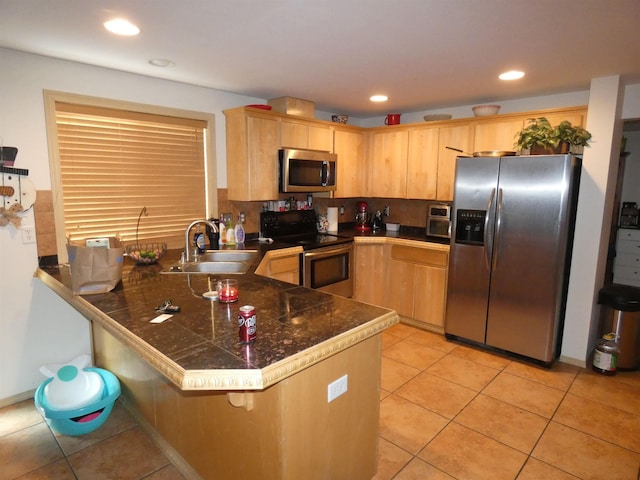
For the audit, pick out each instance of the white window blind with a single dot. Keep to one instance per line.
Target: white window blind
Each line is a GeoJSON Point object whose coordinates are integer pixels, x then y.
{"type": "Point", "coordinates": [115, 162]}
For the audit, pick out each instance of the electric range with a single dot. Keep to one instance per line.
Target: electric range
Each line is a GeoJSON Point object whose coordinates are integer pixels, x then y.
{"type": "Point", "coordinates": [299, 228]}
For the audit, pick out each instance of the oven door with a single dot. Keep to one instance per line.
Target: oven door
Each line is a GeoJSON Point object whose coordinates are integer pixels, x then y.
{"type": "Point", "coordinates": [329, 269]}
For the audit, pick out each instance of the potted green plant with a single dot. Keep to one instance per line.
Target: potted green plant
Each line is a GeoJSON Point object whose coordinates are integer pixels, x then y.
{"type": "Point", "coordinates": [540, 137]}
{"type": "Point", "coordinates": [569, 136]}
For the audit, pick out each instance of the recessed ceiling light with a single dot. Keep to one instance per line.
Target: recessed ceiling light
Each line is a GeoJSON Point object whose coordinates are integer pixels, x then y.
{"type": "Point", "coordinates": [162, 62]}
{"type": "Point", "coordinates": [120, 26]}
{"type": "Point", "coordinates": [378, 98]}
{"type": "Point", "coordinates": [511, 75]}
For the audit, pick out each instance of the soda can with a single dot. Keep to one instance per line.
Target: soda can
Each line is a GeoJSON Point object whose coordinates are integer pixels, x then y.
{"type": "Point", "coordinates": [247, 325]}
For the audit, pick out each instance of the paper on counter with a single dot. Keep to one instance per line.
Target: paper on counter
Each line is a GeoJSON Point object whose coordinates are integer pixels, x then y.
{"type": "Point", "coordinates": [332, 218]}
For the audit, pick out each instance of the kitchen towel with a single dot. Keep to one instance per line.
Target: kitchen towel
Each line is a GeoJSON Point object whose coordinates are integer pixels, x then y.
{"type": "Point", "coordinates": [332, 217]}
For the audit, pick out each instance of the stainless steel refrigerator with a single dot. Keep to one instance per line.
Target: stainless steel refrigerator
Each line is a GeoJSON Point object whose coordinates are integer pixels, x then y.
{"type": "Point", "coordinates": [511, 240]}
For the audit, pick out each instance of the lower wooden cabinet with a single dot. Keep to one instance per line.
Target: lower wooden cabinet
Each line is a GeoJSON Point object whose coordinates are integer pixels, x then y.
{"type": "Point", "coordinates": [370, 271]}
{"type": "Point", "coordinates": [281, 265]}
{"type": "Point", "coordinates": [410, 277]}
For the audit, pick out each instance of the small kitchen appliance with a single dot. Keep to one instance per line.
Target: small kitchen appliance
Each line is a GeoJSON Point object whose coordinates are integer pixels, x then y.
{"type": "Point", "coordinates": [439, 221]}
{"type": "Point", "coordinates": [363, 217]}
{"type": "Point", "coordinates": [629, 214]}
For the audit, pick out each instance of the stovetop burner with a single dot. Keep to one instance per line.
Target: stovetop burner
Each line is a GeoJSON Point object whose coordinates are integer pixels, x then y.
{"type": "Point", "coordinates": [299, 228]}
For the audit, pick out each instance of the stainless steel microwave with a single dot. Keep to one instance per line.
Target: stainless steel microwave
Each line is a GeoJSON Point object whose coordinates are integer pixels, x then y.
{"type": "Point", "coordinates": [306, 170]}
{"type": "Point", "coordinates": [439, 221]}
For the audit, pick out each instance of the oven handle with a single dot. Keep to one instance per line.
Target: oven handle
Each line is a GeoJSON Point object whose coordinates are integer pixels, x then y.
{"type": "Point", "coordinates": [328, 251]}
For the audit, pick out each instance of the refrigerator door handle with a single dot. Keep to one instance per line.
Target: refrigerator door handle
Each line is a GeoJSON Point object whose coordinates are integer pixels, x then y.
{"type": "Point", "coordinates": [486, 240]}
{"type": "Point", "coordinates": [496, 240]}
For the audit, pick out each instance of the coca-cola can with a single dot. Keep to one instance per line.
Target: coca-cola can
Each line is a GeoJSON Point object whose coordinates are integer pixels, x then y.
{"type": "Point", "coordinates": [247, 325]}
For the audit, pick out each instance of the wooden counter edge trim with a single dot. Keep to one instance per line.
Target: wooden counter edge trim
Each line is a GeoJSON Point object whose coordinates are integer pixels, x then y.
{"type": "Point", "coordinates": [401, 241]}
{"type": "Point", "coordinates": [220, 380]}
{"type": "Point", "coordinates": [296, 363]}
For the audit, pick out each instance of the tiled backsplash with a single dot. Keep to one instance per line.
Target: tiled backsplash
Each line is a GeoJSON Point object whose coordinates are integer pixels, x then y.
{"type": "Point", "coordinates": [405, 212]}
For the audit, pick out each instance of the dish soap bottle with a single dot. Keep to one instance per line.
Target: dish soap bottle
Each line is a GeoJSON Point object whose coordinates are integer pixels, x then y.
{"type": "Point", "coordinates": [239, 230]}
{"type": "Point", "coordinates": [222, 233]}
{"type": "Point", "coordinates": [231, 234]}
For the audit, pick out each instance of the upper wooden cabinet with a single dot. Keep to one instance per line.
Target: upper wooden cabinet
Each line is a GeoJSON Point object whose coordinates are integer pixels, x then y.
{"type": "Point", "coordinates": [496, 135]}
{"type": "Point", "coordinates": [400, 161]}
{"type": "Point", "coordinates": [422, 163]}
{"type": "Point", "coordinates": [295, 133]}
{"type": "Point", "coordinates": [253, 140]}
{"type": "Point", "coordinates": [349, 143]}
{"type": "Point", "coordinates": [387, 172]}
{"type": "Point", "coordinates": [460, 137]}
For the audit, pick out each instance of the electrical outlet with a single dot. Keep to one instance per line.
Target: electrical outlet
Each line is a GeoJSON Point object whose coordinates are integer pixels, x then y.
{"type": "Point", "coordinates": [341, 209]}
{"type": "Point", "coordinates": [28, 234]}
{"type": "Point", "coordinates": [386, 211]}
{"type": "Point", "coordinates": [337, 388]}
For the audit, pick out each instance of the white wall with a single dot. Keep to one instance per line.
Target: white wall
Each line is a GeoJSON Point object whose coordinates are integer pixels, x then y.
{"type": "Point", "coordinates": [35, 326]}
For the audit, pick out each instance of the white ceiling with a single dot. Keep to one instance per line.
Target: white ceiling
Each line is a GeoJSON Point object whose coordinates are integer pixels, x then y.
{"type": "Point", "coordinates": [424, 54]}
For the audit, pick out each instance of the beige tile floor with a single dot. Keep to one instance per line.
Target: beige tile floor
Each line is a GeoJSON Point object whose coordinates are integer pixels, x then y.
{"type": "Point", "coordinates": [447, 411]}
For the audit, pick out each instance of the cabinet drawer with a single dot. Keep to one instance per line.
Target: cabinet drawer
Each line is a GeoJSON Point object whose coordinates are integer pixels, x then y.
{"type": "Point", "coordinates": [628, 234]}
{"type": "Point", "coordinates": [284, 264]}
{"type": "Point", "coordinates": [628, 246]}
{"type": "Point", "coordinates": [419, 255]}
{"type": "Point", "coordinates": [631, 273]}
{"type": "Point", "coordinates": [628, 260]}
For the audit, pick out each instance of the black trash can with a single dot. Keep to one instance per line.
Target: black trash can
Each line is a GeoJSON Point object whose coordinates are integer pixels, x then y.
{"type": "Point", "coordinates": [621, 315]}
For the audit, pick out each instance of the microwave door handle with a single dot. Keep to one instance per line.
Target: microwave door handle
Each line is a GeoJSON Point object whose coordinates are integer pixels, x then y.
{"type": "Point", "coordinates": [325, 173]}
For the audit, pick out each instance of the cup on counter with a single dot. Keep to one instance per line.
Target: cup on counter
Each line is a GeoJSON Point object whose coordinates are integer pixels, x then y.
{"type": "Point", "coordinates": [228, 290]}
{"type": "Point", "coordinates": [392, 119]}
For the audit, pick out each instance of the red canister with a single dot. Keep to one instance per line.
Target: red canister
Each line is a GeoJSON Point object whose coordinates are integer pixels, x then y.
{"type": "Point", "coordinates": [247, 325]}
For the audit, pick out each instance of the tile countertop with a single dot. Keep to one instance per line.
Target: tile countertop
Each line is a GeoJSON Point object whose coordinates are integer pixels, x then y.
{"type": "Point", "coordinates": [198, 348]}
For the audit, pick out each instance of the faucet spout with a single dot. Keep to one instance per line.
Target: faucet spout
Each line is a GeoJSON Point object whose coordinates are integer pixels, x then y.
{"type": "Point", "coordinates": [187, 255]}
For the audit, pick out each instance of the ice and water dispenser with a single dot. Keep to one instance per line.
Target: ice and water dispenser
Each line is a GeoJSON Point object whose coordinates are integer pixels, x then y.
{"type": "Point", "coordinates": [470, 226]}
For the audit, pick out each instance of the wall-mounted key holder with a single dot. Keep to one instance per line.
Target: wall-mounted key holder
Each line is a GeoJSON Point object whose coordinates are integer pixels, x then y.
{"type": "Point", "coordinates": [17, 194]}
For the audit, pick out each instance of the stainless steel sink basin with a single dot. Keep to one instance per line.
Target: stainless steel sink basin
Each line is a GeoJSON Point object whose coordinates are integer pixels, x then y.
{"type": "Point", "coordinates": [217, 261]}
{"type": "Point", "coordinates": [227, 256]}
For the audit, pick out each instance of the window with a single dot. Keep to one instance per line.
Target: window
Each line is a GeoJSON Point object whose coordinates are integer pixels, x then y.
{"type": "Point", "coordinates": [110, 163]}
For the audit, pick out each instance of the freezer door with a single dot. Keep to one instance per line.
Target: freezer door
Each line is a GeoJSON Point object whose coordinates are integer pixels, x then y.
{"type": "Point", "coordinates": [469, 258]}
{"type": "Point", "coordinates": [532, 228]}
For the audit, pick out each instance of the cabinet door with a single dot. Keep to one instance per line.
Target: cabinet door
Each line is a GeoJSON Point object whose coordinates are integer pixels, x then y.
{"type": "Point", "coordinates": [388, 170]}
{"type": "Point", "coordinates": [349, 145]}
{"type": "Point", "coordinates": [399, 294]}
{"type": "Point", "coordinates": [422, 163]}
{"type": "Point", "coordinates": [496, 135]}
{"type": "Point", "coordinates": [369, 273]}
{"type": "Point", "coordinates": [280, 266]}
{"type": "Point", "coordinates": [252, 156]}
{"type": "Point", "coordinates": [296, 134]}
{"type": "Point", "coordinates": [460, 137]}
{"type": "Point", "coordinates": [430, 295]}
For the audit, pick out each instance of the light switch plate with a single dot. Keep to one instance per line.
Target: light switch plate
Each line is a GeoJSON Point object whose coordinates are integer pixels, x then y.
{"type": "Point", "coordinates": [28, 234]}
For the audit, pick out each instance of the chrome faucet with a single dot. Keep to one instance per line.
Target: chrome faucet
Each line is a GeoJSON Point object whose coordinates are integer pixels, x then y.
{"type": "Point", "coordinates": [211, 225]}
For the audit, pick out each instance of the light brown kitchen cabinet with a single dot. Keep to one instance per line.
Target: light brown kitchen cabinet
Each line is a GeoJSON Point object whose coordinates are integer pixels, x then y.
{"type": "Point", "coordinates": [306, 134]}
{"type": "Point", "coordinates": [460, 137]}
{"type": "Point", "coordinates": [369, 273]}
{"type": "Point", "coordinates": [253, 140]}
{"type": "Point", "coordinates": [283, 264]}
{"type": "Point", "coordinates": [416, 285]}
{"type": "Point", "coordinates": [497, 135]}
{"type": "Point", "coordinates": [350, 146]}
{"type": "Point", "coordinates": [388, 170]}
{"type": "Point", "coordinates": [422, 163]}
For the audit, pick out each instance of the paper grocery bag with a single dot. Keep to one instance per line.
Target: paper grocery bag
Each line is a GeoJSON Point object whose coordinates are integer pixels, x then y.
{"type": "Point", "coordinates": [95, 269]}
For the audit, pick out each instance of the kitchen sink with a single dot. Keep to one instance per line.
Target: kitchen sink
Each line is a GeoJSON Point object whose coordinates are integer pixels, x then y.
{"type": "Point", "coordinates": [217, 261]}
{"type": "Point", "coordinates": [227, 256]}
